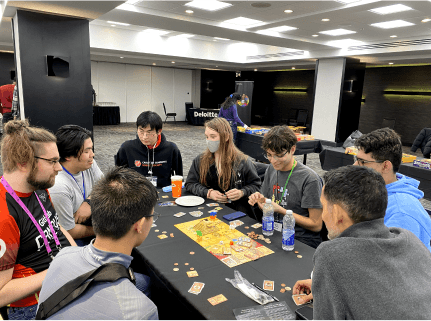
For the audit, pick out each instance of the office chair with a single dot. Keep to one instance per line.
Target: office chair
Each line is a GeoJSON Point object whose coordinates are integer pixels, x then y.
{"type": "Point", "coordinates": [169, 114]}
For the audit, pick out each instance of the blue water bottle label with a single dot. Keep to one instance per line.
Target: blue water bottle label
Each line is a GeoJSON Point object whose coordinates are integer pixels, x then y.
{"type": "Point", "coordinates": [268, 224]}
{"type": "Point", "coordinates": [288, 237]}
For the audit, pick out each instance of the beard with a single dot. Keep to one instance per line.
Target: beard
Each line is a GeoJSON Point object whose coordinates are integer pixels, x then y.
{"type": "Point", "coordinates": [332, 234]}
{"type": "Point", "coordinates": [39, 184]}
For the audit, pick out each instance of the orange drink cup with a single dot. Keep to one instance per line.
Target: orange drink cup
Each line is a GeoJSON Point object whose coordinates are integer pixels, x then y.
{"type": "Point", "coordinates": [177, 184]}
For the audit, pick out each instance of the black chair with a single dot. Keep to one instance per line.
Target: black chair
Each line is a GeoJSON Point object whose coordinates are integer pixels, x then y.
{"type": "Point", "coordinates": [188, 106]}
{"type": "Point", "coordinates": [3, 313]}
{"type": "Point", "coordinates": [388, 122]}
{"type": "Point", "coordinates": [169, 114]}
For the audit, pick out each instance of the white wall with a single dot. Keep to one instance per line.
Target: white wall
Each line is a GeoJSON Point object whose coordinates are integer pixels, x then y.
{"type": "Point", "coordinates": [327, 98]}
{"type": "Point", "coordinates": [137, 88]}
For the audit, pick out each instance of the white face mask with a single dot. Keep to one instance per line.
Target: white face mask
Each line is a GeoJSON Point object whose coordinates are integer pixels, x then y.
{"type": "Point", "coordinates": [213, 145]}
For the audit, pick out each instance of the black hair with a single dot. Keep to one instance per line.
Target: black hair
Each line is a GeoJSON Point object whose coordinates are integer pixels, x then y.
{"type": "Point", "coordinates": [70, 141]}
{"type": "Point", "coordinates": [149, 118]}
{"type": "Point", "coordinates": [383, 144]}
{"type": "Point", "coordinates": [279, 139]}
{"type": "Point", "coordinates": [120, 199]}
{"type": "Point", "coordinates": [361, 191]}
{"type": "Point", "coordinates": [231, 100]}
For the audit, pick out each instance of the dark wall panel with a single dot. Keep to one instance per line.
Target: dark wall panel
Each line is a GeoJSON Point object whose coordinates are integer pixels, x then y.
{"type": "Point", "coordinates": [52, 101]}
{"type": "Point", "coordinates": [411, 113]}
{"type": "Point", "coordinates": [7, 64]}
{"type": "Point", "coordinates": [215, 87]}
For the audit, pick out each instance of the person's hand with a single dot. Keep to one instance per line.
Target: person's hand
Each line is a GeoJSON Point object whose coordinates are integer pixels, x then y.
{"type": "Point", "coordinates": [83, 213]}
{"type": "Point", "coordinates": [245, 126]}
{"type": "Point", "coordinates": [234, 194]}
{"type": "Point", "coordinates": [218, 197]}
{"type": "Point", "coordinates": [256, 198]}
{"type": "Point", "coordinates": [303, 287]}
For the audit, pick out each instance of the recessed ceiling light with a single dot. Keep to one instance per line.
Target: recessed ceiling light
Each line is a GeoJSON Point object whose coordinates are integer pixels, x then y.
{"type": "Point", "coordinates": [173, 62]}
{"type": "Point", "coordinates": [391, 63]}
{"type": "Point", "coordinates": [113, 25]}
{"type": "Point", "coordinates": [242, 21]}
{"type": "Point", "coordinates": [393, 36]}
{"type": "Point", "coordinates": [337, 32]}
{"type": "Point", "coordinates": [279, 29]}
{"type": "Point", "coordinates": [315, 35]}
{"type": "Point", "coordinates": [218, 38]}
{"type": "Point", "coordinates": [293, 68]}
{"type": "Point", "coordinates": [118, 23]}
{"type": "Point", "coordinates": [288, 11]}
{"type": "Point", "coordinates": [154, 63]}
{"type": "Point", "coordinates": [426, 20]}
{"type": "Point", "coordinates": [216, 66]}
{"type": "Point", "coordinates": [325, 19]}
{"type": "Point", "coordinates": [344, 43]}
{"type": "Point", "coordinates": [121, 57]}
{"type": "Point", "coordinates": [155, 32]}
{"type": "Point", "coordinates": [209, 5]}
{"type": "Point", "coordinates": [392, 24]}
{"type": "Point", "coordinates": [185, 35]}
{"type": "Point", "coordinates": [391, 9]}
{"type": "Point", "coordinates": [255, 70]}
{"type": "Point", "coordinates": [189, 11]}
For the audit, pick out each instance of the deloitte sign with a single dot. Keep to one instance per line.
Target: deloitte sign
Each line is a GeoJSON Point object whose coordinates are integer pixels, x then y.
{"type": "Point", "coordinates": [205, 114]}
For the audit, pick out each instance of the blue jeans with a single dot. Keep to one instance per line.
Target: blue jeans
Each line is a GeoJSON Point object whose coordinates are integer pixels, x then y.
{"type": "Point", "coordinates": [143, 284]}
{"type": "Point", "coordinates": [25, 313]}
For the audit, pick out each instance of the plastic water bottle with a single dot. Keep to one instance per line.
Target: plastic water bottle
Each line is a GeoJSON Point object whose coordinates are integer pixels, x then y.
{"type": "Point", "coordinates": [288, 239]}
{"type": "Point", "coordinates": [268, 218]}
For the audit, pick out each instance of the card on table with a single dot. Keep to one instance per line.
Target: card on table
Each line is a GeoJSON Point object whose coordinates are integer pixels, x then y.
{"type": "Point", "coordinates": [196, 213]}
{"type": "Point", "coordinates": [257, 225]}
{"type": "Point", "coordinates": [165, 196]}
{"type": "Point", "coordinates": [167, 204]}
{"type": "Point", "coordinates": [179, 214]}
{"type": "Point", "coordinates": [296, 297]}
{"type": "Point", "coordinates": [212, 204]}
{"type": "Point", "coordinates": [268, 285]}
{"type": "Point", "coordinates": [162, 236]}
{"type": "Point", "coordinates": [217, 299]}
{"type": "Point", "coordinates": [197, 288]}
{"type": "Point", "coordinates": [192, 274]}
{"type": "Point", "coordinates": [236, 223]}
{"type": "Point", "coordinates": [218, 208]}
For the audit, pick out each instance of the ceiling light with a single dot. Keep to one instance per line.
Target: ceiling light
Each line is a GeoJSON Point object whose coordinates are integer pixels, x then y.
{"type": "Point", "coordinates": [189, 11]}
{"type": "Point", "coordinates": [113, 25]}
{"type": "Point", "coordinates": [315, 35]}
{"type": "Point", "coordinates": [133, 1]}
{"type": "Point", "coordinates": [280, 29]}
{"type": "Point", "coordinates": [288, 11]}
{"type": "Point", "coordinates": [242, 21]}
{"type": "Point", "coordinates": [255, 70]}
{"type": "Point", "coordinates": [118, 23]}
{"type": "Point", "coordinates": [344, 43]}
{"type": "Point", "coordinates": [391, 63]}
{"type": "Point", "coordinates": [173, 62]}
{"type": "Point", "coordinates": [185, 35]}
{"type": "Point", "coordinates": [216, 66]}
{"type": "Point", "coordinates": [392, 24]}
{"type": "Point", "coordinates": [293, 68]}
{"type": "Point", "coordinates": [209, 5]}
{"type": "Point", "coordinates": [337, 32]}
{"type": "Point", "coordinates": [155, 32]}
{"type": "Point", "coordinates": [426, 20]}
{"type": "Point", "coordinates": [218, 38]}
{"type": "Point", "coordinates": [326, 19]}
{"type": "Point", "coordinates": [393, 36]}
{"type": "Point", "coordinates": [154, 63]}
{"type": "Point", "coordinates": [121, 57]}
{"type": "Point", "coordinates": [391, 9]}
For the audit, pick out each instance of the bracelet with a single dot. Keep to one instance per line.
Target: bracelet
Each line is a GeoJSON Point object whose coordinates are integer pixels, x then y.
{"type": "Point", "coordinates": [87, 201]}
{"type": "Point", "coordinates": [209, 192]}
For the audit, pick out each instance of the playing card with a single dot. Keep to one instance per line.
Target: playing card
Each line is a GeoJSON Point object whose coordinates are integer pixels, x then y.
{"type": "Point", "coordinates": [212, 204]}
{"type": "Point", "coordinates": [165, 196]}
{"type": "Point", "coordinates": [228, 261]}
{"type": "Point", "coordinates": [268, 285]}
{"type": "Point", "coordinates": [257, 225]}
{"type": "Point", "coordinates": [237, 223]}
{"type": "Point", "coordinates": [217, 299]}
{"type": "Point", "coordinates": [197, 288]}
{"type": "Point", "coordinates": [218, 208]}
{"type": "Point", "coordinates": [237, 248]}
{"type": "Point", "coordinates": [179, 214]}
{"type": "Point", "coordinates": [192, 274]}
{"type": "Point", "coordinates": [167, 204]}
{"type": "Point", "coordinates": [196, 213]}
{"type": "Point", "coordinates": [252, 256]}
{"type": "Point", "coordinates": [201, 208]}
{"type": "Point", "coordinates": [162, 236]}
{"type": "Point", "coordinates": [295, 298]}
{"type": "Point", "coordinates": [227, 251]}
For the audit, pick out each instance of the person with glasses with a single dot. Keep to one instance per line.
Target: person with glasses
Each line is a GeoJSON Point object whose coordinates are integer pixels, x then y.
{"type": "Point", "coordinates": [382, 151]}
{"type": "Point", "coordinates": [122, 205]}
{"type": "Point", "coordinates": [71, 191]}
{"type": "Point", "coordinates": [291, 186]}
{"type": "Point", "coordinates": [150, 154]}
{"type": "Point", "coordinates": [30, 233]}
{"type": "Point", "coordinates": [222, 172]}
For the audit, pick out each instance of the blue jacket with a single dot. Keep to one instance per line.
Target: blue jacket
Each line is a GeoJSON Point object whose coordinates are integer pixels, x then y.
{"type": "Point", "coordinates": [404, 209]}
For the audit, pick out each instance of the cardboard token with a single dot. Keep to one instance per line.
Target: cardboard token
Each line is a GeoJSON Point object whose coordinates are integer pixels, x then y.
{"type": "Point", "coordinates": [246, 227]}
{"type": "Point", "coordinates": [283, 285]}
{"type": "Point", "coordinates": [296, 252]}
{"type": "Point", "coordinates": [175, 263]}
{"type": "Point", "coordinates": [176, 269]}
{"type": "Point", "coordinates": [192, 274]}
{"type": "Point", "coordinates": [299, 256]}
{"type": "Point", "coordinates": [156, 231]}
{"type": "Point", "coordinates": [288, 288]}
{"type": "Point", "coordinates": [171, 235]}
{"type": "Point", "coordinates": [282, 290]}
{"type": "Point", "coordinates": [186, 264]}
{"type": "Point", "coordinates": [192, 269]}
{"type": "Point", "coordinates": [191, 253]}
{"type": "Point", "coordinates": [164, 232]}
{"type": "Point", "coordinates": [165, 196]}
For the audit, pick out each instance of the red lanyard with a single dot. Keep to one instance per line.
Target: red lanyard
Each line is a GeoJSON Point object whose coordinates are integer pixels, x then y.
{"type": "Point", "coordinates": [10, 190]}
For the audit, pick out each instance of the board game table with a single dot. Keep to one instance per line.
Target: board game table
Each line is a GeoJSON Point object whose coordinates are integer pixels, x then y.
{"type": "Point", "coordinates": [156, 257]}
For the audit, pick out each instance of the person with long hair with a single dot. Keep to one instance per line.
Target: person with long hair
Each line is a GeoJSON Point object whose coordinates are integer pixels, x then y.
{"type": "Point", "coordinates": [222, 172]}
{"type": "Point", "coordinates": [229, 112]}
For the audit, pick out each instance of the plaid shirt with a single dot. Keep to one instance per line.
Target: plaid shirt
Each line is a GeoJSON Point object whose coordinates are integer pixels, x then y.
{"type": "Point", "coordinates": [15, 103]}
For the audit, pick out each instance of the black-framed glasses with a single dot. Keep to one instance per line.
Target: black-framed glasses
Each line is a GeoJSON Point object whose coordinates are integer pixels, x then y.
{"type": "Point", "coordinates": [362, 162]}
{"type": "Point", "coordinates": [154, 215]}
{"type": "Point", "coordinates": [52, 161]}
{"type": "Point", "coordinates": [268, 156]}
{"type": "Point", "coordinates": [144, 133]}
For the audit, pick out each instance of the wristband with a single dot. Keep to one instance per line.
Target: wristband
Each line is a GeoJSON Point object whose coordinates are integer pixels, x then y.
{"type": "Point", "coordinates": [87, 201]}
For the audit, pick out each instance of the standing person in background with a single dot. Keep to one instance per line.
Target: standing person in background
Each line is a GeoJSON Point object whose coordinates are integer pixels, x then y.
{"type": "Point", "coordinates": [15, 102]}
{"type": "Point", "coordinates": [229, 112]}
{"type": "Point", "coordinates": [6, 97]}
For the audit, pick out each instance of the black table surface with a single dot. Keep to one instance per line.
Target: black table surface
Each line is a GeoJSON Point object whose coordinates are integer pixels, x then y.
{"type": "Point", "coordinates": [251, 144]}
{"type": "Point", "coordinates": [334, 157]}
{"type": "Point", "coordinates": [160, 256]}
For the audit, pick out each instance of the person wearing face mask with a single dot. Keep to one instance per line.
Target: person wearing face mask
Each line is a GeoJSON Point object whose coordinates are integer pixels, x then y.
{"type": "Point", "coordinates": [229, 112]}
{"type": "Point", "coordinates": [223, 173]}
{"type": "Point", "coordinates": [150, 154]}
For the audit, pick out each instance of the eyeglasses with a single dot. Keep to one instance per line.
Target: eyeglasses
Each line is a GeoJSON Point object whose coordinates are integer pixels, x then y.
{"type": "Point", "coordinates": [154, 215]}
{"type": "Point", "coordinates": [362, 162]}
{"type": "Point", "coordinates": [268, 156]}
{"type": "Point", "coordinates": [144, 133]}
{"type": "Point", "coordinates": [52, 161]}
